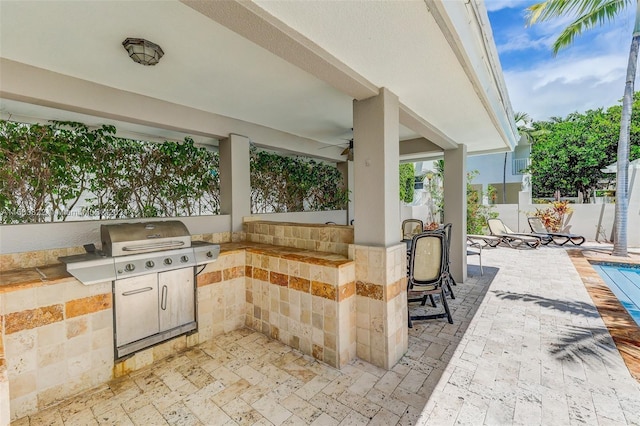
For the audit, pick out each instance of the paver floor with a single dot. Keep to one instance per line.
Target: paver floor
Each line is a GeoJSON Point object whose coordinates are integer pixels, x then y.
{"type": "Point", "coordinates": [527, 347]}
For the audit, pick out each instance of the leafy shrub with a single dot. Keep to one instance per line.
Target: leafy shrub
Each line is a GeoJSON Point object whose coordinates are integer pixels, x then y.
{"type": "Point", "coordinates": [553, 216]}
{"type": "Point", "coordinates": [47, 170]}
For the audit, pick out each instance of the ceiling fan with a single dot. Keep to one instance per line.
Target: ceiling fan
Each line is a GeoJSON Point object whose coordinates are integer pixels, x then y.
{"type": "Point", "coordinates": [348, 150]}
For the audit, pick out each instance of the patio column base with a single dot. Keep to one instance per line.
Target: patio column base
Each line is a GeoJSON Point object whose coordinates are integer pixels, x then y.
{"type": "Point", "coordinates": [381, 303]}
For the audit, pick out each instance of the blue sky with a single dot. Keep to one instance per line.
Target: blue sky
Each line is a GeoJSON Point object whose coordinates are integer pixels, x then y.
{"type": "Point", "coordinates": [587, 75]}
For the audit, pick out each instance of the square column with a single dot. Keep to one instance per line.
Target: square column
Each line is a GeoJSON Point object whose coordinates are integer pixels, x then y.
{"type": "Point", "coordinates": [380, 258]}
{"type": "Point", "coordinates": [235, 183]}
{"type": "Point", "coordinates": [455, 208]}
{"type": "Point", "coordinates": [376, 145]}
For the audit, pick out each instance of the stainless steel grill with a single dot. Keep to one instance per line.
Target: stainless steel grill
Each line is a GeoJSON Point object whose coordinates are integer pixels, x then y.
{"type": "Point", "coordinates": [152, 266]}
{"type": "Point", "coordinates": [134, 249]}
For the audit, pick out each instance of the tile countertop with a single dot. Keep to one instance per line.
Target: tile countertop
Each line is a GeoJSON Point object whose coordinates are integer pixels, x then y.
{"type": "Point", "coordinates": [19, 279]}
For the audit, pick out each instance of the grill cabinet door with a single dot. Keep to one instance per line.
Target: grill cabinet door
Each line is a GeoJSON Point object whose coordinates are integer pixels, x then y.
{"type": "Point", "coordinates": [177, 298]}
{"type": "Point", "coordinates": [136, 308]}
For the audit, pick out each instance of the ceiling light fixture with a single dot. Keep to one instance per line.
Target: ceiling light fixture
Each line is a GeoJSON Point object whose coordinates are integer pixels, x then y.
{"type": "Point", "coordinates": [143, 51]}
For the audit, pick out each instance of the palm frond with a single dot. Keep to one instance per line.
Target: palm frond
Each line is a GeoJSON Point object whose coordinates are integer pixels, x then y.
{"type": "Point", "coordinates": [551, 9]}
{"type": "Point", "coordinates": [590, 13]}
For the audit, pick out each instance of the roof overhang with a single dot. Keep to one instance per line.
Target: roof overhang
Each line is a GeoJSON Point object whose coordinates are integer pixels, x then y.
{"type": "Point", "coordinates": [283, 73]}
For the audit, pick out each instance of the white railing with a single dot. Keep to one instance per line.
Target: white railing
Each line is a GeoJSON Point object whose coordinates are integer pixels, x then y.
{"type": "Point", "coordinates": [518, 165]}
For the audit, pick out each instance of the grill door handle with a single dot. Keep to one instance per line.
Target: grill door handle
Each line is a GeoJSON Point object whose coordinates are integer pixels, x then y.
{"type": "Point", "coordinates": [168, 244]}
{"type": "Point", "coordinates": [163, 302]}
{"type": "Point", "coordinates": [140, 290]}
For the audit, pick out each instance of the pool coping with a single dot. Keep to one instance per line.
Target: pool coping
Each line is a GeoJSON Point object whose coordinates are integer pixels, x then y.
{"type": "Point", "coordinates": [623, 329]}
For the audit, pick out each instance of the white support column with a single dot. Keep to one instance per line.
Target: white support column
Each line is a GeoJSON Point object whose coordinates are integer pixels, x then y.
{"type": "Point", "coordinates": [455, 208]}
{"type": "Point", "coordinates": [380, 258]}
{"type": "Point", "coordinates": [235, 184]}
{"type": "Point", "coordinates": [376, 160]}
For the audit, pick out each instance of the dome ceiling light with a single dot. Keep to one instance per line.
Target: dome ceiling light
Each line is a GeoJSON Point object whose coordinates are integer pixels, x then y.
{"type": "Point", "coordinates": [143, 51]}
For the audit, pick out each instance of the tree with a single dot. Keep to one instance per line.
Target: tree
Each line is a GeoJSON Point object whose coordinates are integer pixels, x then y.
{"type": "Point", "coordinates": [407, 182]}
{"type": "Point", "coordinates": [588, 14]}
{"type": "Point", "coordinates": [569, 154]}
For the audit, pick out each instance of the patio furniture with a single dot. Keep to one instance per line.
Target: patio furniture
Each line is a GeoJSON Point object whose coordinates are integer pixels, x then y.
{"type": "Point", "coordinates": [411, 227]}
{"type": "Point", "coordinates": [428, 273]}
{"type": "Point", "coordinates": [510, 238]}
{"type": "Point", "coordinates": [447, 230]}
{"type": "Point", "coordinates": [479, 242]}
{"type": "Point", "coordinates": [557, 238]}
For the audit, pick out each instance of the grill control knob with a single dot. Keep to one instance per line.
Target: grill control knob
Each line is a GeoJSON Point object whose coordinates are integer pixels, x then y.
{"type": "Point", "coordinates": [130, 267]}
{"type": "Point", "coordinates": [168, 261]}
{"type": "Point", "coordinates": [149, 264]}
{"type": "Point", "coordinates": [184, 259]}
{"type": "Point", "coordinates": [209, 254]}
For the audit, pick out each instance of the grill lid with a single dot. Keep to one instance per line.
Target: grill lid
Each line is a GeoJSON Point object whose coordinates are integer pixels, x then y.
{"type": "Point", "coordinates": [143, 237]}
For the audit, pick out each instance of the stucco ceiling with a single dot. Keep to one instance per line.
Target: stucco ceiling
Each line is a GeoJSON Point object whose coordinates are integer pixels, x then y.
{"type": "Point", "coordinates": [210, 68]}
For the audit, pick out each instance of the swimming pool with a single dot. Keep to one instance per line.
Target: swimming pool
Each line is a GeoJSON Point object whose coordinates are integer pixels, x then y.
{"type": "Point", "coordinates": [624, 282]}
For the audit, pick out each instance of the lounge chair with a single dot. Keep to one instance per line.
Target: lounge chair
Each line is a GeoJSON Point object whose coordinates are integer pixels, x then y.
{"type": "Point", "coordinates": [557, 238]}
{"type": "Point", "coordinates": [510, 238]}
{"type": "Point", "coordinates": [479, 242]}
{"type": "Point", "coordinates": [428, 273]}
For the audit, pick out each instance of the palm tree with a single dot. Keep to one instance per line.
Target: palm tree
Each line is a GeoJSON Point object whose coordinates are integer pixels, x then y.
{"type": "Point", "coordinates": [588, 14]}
{"type": "Point", "coordinates": [523, 122]}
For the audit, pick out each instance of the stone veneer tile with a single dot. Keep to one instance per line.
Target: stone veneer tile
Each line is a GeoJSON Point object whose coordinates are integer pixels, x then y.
{"type": "Point", "coordinates": [347, 290]}
{"type": "Point", "coordinates": [209, 278]}
{"type": "Point", "coordinates": [324, 290]}
{"type": "Point", "coordinates": [76, 327]}
{"type": "Point", "coordinates": [1, 340]}
{"type": "Point", "coordinates": [300, 284]}
{"type": "Point", "coordinates": [32, 318]}
{"type": "Point", "coordinates": [372, 291]}
{"type": "Point", "coordinates": [234, 272]}
{"type": "Point", "coordinates": [278, 279]}
{"type": "Point", "coordinates": [260, 274]}
{"type": "Point", "coordinates": [396, 288]}
{"type": "Point", "coordinates": [87, 305]}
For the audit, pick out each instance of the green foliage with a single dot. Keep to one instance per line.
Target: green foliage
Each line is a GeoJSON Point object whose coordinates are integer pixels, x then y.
{"type": "Point", "coordinates": [587, 14]}
{"type": "Point", "coordinates": [554, 215]}
{"type": "Point", "coordinates": [294, 184]}
{"type": "Point", "coordinates": [568, 154]}
{"type": "Point", "coordinates": [46, 170]}
{"type": "Point", "coordinates": [477, 213]}
{"type": "Point", "coordinates": [407, 182]}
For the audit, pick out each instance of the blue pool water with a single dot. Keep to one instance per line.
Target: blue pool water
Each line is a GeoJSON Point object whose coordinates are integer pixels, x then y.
{"type": "Point", "coordinates": [624, 282]}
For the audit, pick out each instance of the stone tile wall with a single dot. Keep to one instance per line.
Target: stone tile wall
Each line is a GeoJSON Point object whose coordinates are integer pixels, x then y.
{"type": "Point", "coordinates": [306, 303]}
{"type": "Point", "coordinates": [324, 238]}
{"type": "Point", "coordinates": [4, 380]}
{"type": "Point", "coordinates": [381, 303]}
{"type": "Point", "coordinates": [33, 259]}
{"type": "Point", "coordinates": [58, 341]}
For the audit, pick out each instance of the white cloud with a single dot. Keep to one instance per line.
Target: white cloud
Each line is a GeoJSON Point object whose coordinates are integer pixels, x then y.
{"type": "Point", "coordinates": [587, 75]}
{"type": "Point", "coordinates": [494, 5]}
{"type": "Point", "coordinates": [559, 87]}
{"type": "Point", "coordinates": [522, 41]}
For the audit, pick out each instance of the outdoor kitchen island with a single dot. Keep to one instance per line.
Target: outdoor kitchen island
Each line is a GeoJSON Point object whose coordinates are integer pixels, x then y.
{"type": "Point", "coordinates": [57, 334]}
